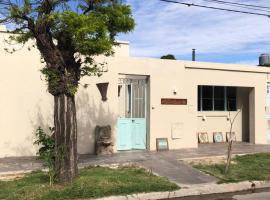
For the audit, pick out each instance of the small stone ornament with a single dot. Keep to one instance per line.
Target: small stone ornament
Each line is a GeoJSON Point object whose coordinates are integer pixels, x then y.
{"type": "Point", "coordinates": [103, 142]}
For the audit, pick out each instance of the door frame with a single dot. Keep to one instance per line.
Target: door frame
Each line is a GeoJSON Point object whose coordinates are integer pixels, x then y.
{"type": "Point", "coordinates": [147, 105]}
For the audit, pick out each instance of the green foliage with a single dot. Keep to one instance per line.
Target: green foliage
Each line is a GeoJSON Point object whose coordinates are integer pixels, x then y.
{"type": "Point", "coordinates": [52, 75]}
{"type": "Point", "coordinates": [266, 65]}
{"type": "Point", "coordinates": [169, 57]}
{"type": "Point", "coordinates": [93, 182]}
{"type": "Point", "coordinates": [72, 89]}
{"type": "Point", "coordinates": [91, 34]}
{"type": "Point", "coordinates": [93, 68]}
{"type": "Point", "coordinates": [254, 167]}
{"type": "Point", "coordinates": [46, 150]}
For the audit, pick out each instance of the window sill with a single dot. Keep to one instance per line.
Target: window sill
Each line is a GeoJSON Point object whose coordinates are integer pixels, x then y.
{"type": "Point", "coordinates": [214, 113]}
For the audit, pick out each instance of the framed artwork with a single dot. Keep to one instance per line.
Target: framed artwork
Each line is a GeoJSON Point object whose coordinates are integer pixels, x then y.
{"type": "Point", "coordinates": [233, 135]}
{"type": "Point", "coordinates": [162, 144]}
{"type": "Point", "coordinates": [218, 137]}
{"type": "Point", "coordinates": [203, 137]}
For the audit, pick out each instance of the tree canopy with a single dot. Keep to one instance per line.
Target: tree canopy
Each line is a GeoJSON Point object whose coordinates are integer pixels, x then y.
{"type": "Point", "coordinates": [168, 56]}
{"type": "Point", "coordinates": [265, 65]}
{"type": "Point", "coordinates": [72, 31]}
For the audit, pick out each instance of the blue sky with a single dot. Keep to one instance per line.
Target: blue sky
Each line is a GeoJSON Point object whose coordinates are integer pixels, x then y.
{"type": "Point", "coordinates": [218, 36]}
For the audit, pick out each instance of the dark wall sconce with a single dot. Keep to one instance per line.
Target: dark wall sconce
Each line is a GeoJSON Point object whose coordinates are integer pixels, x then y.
{"type": "Point", "coordinates": [103, 88]}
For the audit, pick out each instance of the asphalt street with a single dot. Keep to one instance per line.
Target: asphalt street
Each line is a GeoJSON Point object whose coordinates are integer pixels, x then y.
{"type": "Point", "coordinates": [260, 194]}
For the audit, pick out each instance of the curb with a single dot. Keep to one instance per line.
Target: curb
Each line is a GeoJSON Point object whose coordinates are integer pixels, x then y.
{"type": "Point", "coordinates": [218, 156]}
{"type": "Point", "coordinates": [194, 190]}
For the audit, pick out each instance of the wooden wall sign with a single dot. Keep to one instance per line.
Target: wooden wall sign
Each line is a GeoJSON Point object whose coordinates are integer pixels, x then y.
{"type": "Point", "coordinates": [174, 101]}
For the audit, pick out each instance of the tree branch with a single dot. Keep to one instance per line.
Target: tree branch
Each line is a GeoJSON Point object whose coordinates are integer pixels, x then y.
{"type": "Point", "coordinates": [90, 7]}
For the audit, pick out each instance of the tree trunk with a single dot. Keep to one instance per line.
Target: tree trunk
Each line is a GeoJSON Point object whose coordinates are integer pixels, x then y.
{"type": "Point", "coordinates": [65, 123]}
{"type": "Point", "coordinates": [229, 155]}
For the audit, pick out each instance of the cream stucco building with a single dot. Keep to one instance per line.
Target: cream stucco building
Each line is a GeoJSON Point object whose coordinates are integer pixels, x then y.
{"type": "Point", "coordinates": [146, 99]}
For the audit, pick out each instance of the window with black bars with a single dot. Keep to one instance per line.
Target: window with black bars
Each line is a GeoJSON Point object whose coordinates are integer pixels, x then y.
{"type": "Point", "coordinates": [217, 98]}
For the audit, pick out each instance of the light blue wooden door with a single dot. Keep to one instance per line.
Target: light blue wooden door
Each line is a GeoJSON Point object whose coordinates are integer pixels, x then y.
{"type": "Point", "coordinates": [124, 134]}
{"type": "Point", "coordinates": [138, 133]}
{"type": "Point", "coordinates": [131, 124]}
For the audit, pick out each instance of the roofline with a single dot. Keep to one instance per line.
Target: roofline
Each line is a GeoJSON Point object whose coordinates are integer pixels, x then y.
{"type": "Point", "coordinates": [205, 65]}
{"type": "Point", "coordinates": [211, 65]}
{"type": "Point", "coordinates": [226, 67]}
{"type": "Point", "coordinates": [244, 69]}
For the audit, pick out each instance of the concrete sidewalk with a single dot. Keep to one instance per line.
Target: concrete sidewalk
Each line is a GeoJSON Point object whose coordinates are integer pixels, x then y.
{"type": "Point", "coordinates": [176, 171]}
{"type": "Point", "coordinates": [194, 192]}
{"type": "Point", "coordinates": [166, 164]}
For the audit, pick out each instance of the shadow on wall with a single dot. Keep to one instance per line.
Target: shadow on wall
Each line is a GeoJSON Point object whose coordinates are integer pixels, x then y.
{"type": "Point", "coordinates": [37, 117]}
{"type": "Point", "coordinates": [43, 119]}
{"type": "Point", "coordinates": [91, 113]}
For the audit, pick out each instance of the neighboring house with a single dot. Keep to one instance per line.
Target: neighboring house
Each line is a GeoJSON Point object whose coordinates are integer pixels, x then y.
{"type": "Point", "coordinates": [139, 102]}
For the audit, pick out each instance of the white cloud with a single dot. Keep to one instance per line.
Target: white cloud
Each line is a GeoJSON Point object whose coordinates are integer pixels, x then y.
{"type": "Point", "coordinates": [172, 28]}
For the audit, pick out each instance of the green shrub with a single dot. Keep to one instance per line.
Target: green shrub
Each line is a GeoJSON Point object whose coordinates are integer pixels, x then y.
{"type": "Point", "coordinates": [46, 151]}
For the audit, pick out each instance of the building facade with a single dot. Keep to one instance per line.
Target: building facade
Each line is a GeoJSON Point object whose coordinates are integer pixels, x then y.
{"type": "Point", "coordinates": [147, 99]}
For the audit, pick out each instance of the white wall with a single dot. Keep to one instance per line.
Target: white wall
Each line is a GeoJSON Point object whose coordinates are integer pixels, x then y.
{"type": "Point", "coordinates": [25, 103]}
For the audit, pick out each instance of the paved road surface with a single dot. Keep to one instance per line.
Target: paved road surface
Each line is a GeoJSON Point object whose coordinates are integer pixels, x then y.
{"type": "Point", "coordinates": [261, 194]}
{"type": "Point", "coordinates": [257, 196]}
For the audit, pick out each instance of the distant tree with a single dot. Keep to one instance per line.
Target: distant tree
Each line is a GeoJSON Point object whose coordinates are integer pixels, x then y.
{"type": "Point", "coordinates": [230, 142]}
{"type": "Point", "coordinates": [265, 65]}
{"type": "Point", "coordinates": [69, 34]}
{"type": "Point", "coordinates": [169, 57]}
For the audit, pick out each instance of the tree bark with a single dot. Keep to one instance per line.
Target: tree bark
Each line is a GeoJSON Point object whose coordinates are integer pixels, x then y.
{"type": "Point", "coordinates": [65, 123]}
{"type": "Point", "coordinates": [230, 145]}
{"type": "Point", "coordinates": [229, 155]}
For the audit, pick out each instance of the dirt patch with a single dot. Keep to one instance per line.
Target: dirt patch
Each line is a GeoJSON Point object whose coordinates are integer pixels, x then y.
{"type": "Point", "coordinates": [18, 175]}
{"type": "Point", "coordinates": [11, 177]}
{"type": "Point", "coordinates": [207, 160]}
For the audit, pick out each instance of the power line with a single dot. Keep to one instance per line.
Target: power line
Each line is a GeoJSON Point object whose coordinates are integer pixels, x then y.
{"type": "Point", "coordinates": [241, 4]}
{"type": "Point", "coordinates": [216, 8]}
{"type": "Point", "coordinates": [244, 6]}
